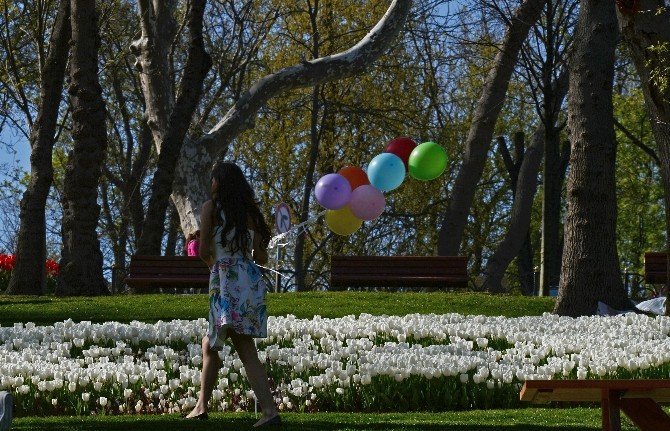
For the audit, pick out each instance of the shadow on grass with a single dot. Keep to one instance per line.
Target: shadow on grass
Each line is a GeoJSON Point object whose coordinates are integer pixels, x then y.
{"type": "Point", "coordinates": [172, 423]}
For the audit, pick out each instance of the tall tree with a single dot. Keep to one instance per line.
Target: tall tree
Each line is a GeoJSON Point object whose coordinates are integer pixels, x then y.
{"type": "Point", "coordinates": [29, 274]}
{"type": "Point", "coordinates": [81, 258]}
{"type": "Point", "coordinates": [188, 96]}
{"type": "Point", "coordinates": [191, 185]}
{"type": "Point", "coordinates": [522, 173]}
{"type": "Point", "coordinates": [482, 128]}
{"type": "Point", "coordinates": [544, 59]}
{"type": "Point", "coordinates": [647, 32]}
{"type": "Point", "coordinates": [590, 268]}
{"type": "Point", "coordinates": [525, 184]}
{"type": "Point", "coordinates": [315, 140]}
{"type": "Point", "coordinates": [173, 132]}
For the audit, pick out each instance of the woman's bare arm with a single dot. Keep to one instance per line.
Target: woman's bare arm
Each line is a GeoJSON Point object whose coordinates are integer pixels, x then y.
{"type": "Point", "coordinates": [260, 252]}
{"type": "Point", "coordinates": [206, 233]}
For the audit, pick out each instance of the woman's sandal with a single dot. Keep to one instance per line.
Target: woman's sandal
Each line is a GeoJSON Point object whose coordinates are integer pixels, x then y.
{"type": "Point", "coordinates": [200, 417]}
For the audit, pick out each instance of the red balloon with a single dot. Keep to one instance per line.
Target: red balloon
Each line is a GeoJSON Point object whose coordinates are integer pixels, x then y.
{"type": "Point", "coordinates": [356, 176]}
{"type": "Point", "coordinates": [402, 147]}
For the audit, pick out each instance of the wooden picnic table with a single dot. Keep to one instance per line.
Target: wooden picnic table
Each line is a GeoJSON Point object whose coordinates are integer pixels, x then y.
{"type": "Point", "coordinates": [639, 399]}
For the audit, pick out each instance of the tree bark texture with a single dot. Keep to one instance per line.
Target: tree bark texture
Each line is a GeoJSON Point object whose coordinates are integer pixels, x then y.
{"type": "Point", "coordinates": [132, 193]}
{"type": "Point", "coordinates": [645, 32]}
{"type": "Point", "coordinates": [172, 233]}
{"type": "Point", "coordinates": [517, 232]}
{"type": "Point", "coordinates": [315, 138]}
{"type": "Point", "coordinates": [29, 273]}
{"type": "Point", "coordinates": [480, 134]}
{"type": "Point", "coordinates": [555, 164]}
{"type": "Point", "coordinates": [197, 65]}
{"type": "Point", "coordinates": [192, 174]}
{"type": "Point", "coordinates": [590, 267]}
{"type": "Point", "coordinates": [81, 258]}
{"type": "Point", "coordinates": [151, 51]}
{"type": "Point", "coordinates": [550, 254]}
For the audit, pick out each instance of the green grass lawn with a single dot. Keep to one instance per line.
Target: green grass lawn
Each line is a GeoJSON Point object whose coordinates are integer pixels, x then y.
{"type": "Point", "coordinates": [573, 419]}
{"type": "Point", "coordinates": [151, 308]}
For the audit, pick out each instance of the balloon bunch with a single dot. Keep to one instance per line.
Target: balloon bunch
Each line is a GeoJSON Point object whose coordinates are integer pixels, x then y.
{"type": "Point", "coordinates": [352, 196]}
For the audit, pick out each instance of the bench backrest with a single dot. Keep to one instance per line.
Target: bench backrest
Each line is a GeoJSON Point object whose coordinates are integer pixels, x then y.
{"type": "Point", "coordinates": [655, 267]}
{"type": "Point", "coordinates": [166, 270]}
{"type": "Point", "coordinates": [381, 271]}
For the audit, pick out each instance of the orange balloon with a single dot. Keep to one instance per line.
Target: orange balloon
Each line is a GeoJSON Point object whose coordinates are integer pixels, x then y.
{"type": "Point", "coordinates": [356, 176]}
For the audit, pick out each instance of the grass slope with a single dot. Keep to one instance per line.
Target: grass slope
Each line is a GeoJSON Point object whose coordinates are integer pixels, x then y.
{"type": "Point", "coordinates": [151, 308]}
{"type": "Point", "coordinates": [574, 419]}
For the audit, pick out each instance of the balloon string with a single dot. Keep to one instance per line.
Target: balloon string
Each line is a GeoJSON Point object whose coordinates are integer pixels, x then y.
{"type": "Point", "coordinates": [293, 232]}
{"type": "Point", "coordinates": [269, 269]}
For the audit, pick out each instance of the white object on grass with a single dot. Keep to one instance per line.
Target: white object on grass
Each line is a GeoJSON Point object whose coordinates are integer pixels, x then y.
{"type": "Point", "coordinates": [655, 306]}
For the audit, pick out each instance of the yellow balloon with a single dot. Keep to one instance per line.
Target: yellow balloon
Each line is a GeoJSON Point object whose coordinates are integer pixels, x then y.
{"type": "Point", "coordinates": [343, 221]}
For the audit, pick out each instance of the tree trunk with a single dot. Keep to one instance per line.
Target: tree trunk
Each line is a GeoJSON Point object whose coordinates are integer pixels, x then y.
{"type": "Point", "coordinates": [133, 191]}
{"type": "Point", "coordinates": [648, 35]}
{"type": "Point", "coordinates": [118, 239]}
{"type": "Point", "coordinates": [299, 258]}
{"type": "Point", "coordinates": [550, 256]}
{"type": "Point", "coordinates": [590, 268]}
{"type": "Point", "coordinates": [517, 232]}
{"type": "Point", "coordinates": [29, 273]}
{"type": "Point", "coordinates": [197, 65]}
{"type": "Point", "coordinates": [516, 242]}
{"type": "Point", "coordinates": [172, 233]}
{"type": "Point", "coordinates": [481, 130]}
{"type": "Point", "coordinates": [81, 258]}
{"type": "Point", "coordinates": [526, 269]}
{"type": "Point", "coordinates": [315, 138]}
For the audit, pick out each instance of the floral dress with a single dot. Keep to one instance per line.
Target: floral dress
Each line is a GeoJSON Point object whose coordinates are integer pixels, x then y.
{"type": "Point", "coordinates": [236, 297]}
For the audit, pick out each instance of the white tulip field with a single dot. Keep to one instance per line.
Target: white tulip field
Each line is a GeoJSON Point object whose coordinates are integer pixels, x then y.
{"type": "Point", "coordinates": [416, 362]}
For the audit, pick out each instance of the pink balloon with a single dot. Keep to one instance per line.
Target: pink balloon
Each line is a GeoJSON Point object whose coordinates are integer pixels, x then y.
{"type": "Point", "coordinates": [367, 202]}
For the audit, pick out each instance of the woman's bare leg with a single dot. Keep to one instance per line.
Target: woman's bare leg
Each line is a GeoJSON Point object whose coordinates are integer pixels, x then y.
{"type": "Point", "coordinates": [246, 349]}
{"type": "Point", "coordinates": [210, 368]}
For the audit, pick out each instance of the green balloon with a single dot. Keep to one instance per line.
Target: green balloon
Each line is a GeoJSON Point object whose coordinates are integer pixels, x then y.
{"type": "Point", "coordinates": [427, 161]}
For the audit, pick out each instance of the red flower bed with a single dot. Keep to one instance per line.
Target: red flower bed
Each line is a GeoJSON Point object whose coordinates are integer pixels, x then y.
{"type": "Point", "coordinates": [8, 261]}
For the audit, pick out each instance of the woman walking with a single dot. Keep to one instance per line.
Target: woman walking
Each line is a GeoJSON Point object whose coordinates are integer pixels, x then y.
{"type": "Point", "coordinates": [233, 236]}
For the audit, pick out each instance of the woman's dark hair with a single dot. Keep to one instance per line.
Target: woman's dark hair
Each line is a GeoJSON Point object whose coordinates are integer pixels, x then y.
{"type": "Point", "coordinates": [237, 201]}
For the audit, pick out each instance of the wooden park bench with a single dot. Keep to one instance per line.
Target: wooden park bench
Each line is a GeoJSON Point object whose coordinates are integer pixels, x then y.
{"type": "Point", "coordinates": [637, 398]}
{"type": "Point", "coordinates": [151, 272]}
{"type": "Point", "coordinates": [399, 271]}
{"type": "Point", "coordinates": [655, 267]}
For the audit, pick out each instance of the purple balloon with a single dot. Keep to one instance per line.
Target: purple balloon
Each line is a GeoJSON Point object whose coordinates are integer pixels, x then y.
{"type": "Point", "coordinates": [333, 191]}
{"type": "Point", "coordinates": [367, 202]}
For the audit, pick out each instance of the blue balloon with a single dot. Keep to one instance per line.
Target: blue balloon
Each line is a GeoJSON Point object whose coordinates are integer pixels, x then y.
{"type": "Point", "coordinates": [386, 172]}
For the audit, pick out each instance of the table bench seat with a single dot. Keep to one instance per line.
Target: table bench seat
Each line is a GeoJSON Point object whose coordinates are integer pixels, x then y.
{"type": "Point", "coordinates": [637, 398]}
